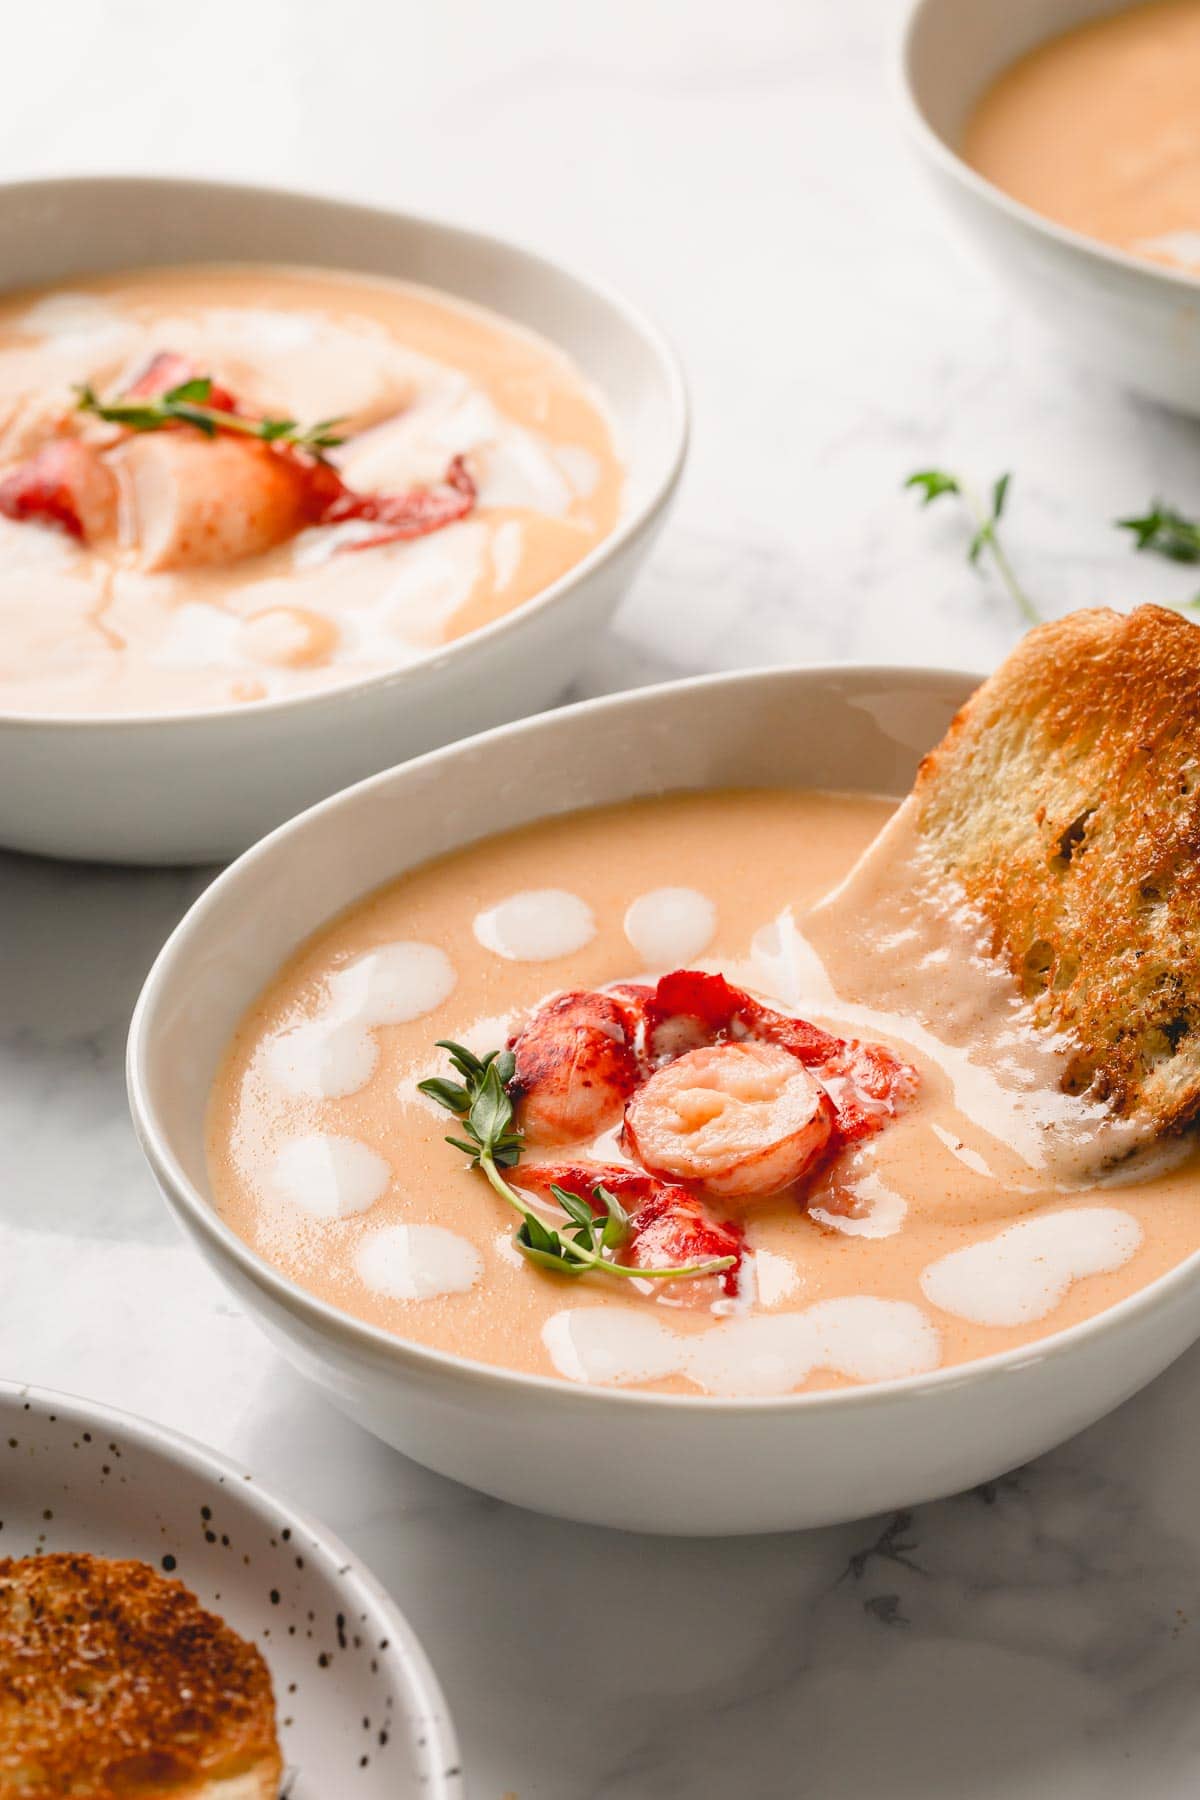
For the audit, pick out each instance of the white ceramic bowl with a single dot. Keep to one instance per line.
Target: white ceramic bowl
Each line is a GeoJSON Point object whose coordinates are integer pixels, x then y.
{"type": "Point", "coordinates": [200, 786]}
{"type": "Point", "coordinates": [649, 1462]}
{"type": "Point", "coordinates": [1134, 321]}
{"type": "Point", "coordinates": [77, 1476]}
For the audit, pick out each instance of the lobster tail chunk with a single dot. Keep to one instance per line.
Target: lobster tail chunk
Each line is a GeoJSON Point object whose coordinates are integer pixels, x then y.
{"type": "Point", "coordinates": [667, 1223]}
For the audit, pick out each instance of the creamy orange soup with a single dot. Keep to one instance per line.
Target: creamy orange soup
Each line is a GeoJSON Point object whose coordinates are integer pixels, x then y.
{"type": "Point", "coordinates": [986, 1213]}
{"type": "Point", "coordinates": [1099, 130]}
{"type": "Point", "coordinates": [162, 570]}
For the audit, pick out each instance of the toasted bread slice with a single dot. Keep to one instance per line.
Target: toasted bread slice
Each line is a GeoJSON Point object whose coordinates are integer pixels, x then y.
{"type": "Point", "coordinates": [115, 1684]}
{"type": "Point", "coordinates": [1065, 798]}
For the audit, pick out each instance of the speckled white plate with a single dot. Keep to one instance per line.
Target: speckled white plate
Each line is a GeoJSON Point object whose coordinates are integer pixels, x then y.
{"type": "Point", "coordinates": [361, 1714]}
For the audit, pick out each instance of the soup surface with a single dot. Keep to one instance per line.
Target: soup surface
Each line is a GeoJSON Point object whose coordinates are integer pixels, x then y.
{"type": "Point", "coordinates": [1099, 130]}
{"type": "Point", "coordinates": [986, 1213]}
{"type": "Point", "coordinates": [165, 569]}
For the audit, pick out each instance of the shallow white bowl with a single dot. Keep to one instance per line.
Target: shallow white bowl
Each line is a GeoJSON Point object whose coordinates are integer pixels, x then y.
{"type": "Point", "coordinates": [200, 786]}
{"type": "Point", "coordinates": [1134, 321]}
{"type": "Point", "coordinates": [609, 1456]}
{"type": "Point", "coordinates": [77, 1476]}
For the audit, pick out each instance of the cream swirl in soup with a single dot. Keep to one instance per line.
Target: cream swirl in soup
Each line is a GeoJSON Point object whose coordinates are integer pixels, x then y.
{"type": "Point", "coordinates": [798, 1076]}
{"type": "Point", "coordinates": [278, 480]}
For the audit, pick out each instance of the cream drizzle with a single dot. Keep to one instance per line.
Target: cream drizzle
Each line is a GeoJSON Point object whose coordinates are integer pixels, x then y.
{"type": "Point", "coordinates": [924, 977]}
{"type": "Point", "coordinates": [334, 1054]}
{"type": "Point", "coordinates": [862, 1337]}
{"type": "Point", "coordinates": [1023, 1273]}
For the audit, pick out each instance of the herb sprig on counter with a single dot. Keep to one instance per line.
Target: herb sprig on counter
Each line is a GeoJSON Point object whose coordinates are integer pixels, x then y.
{"type": "Point", "coordinates": [1162, 531]}
{"type": "Point", "coordinates": [188, 404]}
{"type": "Point", "coordinates": [934, 483]}
{"type": "Point", "coordinates": [479, 1099]}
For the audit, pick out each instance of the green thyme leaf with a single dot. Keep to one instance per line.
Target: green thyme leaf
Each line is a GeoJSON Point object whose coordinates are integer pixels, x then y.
{"type": "Point", "coordinates": [491, 1109]}
{"type": "Point", "coordinates": [187, 404]}
{"type": "Point", "coordinates": [616, 1220]}
{"type": "Point", "coordinates": [538, 1236]}
{"type": "Point", "coordinates": [471, 1150]}
{"type": "Point", "coordinates": [1164, 532]}
{"type": "Point", "coordinates": [450, 1094]}
{"type": "Point", "coordinates": [198, 389]}
{"type": "Point", "coordinates": [933, 483]}
{"type": "Point", "coordinates": [464, 1060]}
{"type": "Point", "coordinates": [577, 1210]}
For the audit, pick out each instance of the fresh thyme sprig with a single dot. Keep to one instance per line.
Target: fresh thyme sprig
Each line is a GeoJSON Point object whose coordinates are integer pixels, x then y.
{"type": "Point", "coordinates": [188, 404]}
{"type": "Point", "coordinates": [1164, 532]}
{"type": "Point", "coordinates": [492, 1140]}
{"type": "Point", "coordinates": [933, 483]}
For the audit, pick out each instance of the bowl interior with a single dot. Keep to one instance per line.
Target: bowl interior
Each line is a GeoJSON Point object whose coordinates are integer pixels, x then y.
{"type": "Point", "coordinates": [953, 52]}
{"type": "Point", "coordinates": [861, 729]}
{"type": "Point", "coordinates": [78, 1477]}
{"type": "Point", "coordinates": [51, 230]}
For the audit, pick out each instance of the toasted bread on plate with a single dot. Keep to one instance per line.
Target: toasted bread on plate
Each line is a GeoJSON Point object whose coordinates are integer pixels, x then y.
{"type": "Point", "coordinates": [116, 1684]}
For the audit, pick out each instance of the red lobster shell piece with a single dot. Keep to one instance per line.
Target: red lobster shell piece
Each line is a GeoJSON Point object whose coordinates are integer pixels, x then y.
{"type": "Point", "coordinates": [576, 1066]}
{"type": "Point", "coordinates": [668, 1224]}
{"type": "Point", "coordinates": [196, 501]}
{"type": "Point", "coordinates": [66, 483]}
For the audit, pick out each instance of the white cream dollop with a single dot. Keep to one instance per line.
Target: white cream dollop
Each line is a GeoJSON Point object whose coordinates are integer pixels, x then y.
{"type": "Point", "coordinates": [328, 1175]}
{"type": "Point", "coordinates": [1024, 1272]}
{"type": "Point", "coordinates": [536, 925]}
{"type": "Point", "coordinates": [417, 1262]}
{"type": "Point", "coordinates": [671, 926]}
{"type": "Point", "coordinates": [322, 1059]}
{"type": "Point", "coordinates": [393, 984]}
{"type": "Point", "coordinates": [859, 1336]}
{"type": "Point", "coordinates": [334, 1053]}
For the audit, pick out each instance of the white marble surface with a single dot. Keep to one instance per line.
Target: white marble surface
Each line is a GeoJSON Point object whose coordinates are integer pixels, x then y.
{"type": "Point", "coordinates": [738, 170]}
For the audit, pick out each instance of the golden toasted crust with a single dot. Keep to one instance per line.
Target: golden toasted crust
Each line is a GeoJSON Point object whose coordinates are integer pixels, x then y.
{"type": "Point", "coordinates": [1065, 797]}
{"type": "Point", "coordinates": [115, 1684]}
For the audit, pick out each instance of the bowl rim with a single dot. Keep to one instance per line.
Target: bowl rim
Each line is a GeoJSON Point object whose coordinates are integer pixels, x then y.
{"type": "Point", "coordinates": [407, 1356]}
{"type": "Point", "coordinates": [949, 162]}
{"type": "Point", "coordinates": [628, 527]}
{"type": "Point", "coordinates": [405, 1650]}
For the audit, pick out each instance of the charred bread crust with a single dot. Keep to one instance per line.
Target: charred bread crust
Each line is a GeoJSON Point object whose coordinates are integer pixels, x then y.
{"type": "Point", "coordinates": [116, 1684]}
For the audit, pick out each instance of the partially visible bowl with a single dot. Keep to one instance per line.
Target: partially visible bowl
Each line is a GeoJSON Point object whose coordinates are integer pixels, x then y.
{"type": "Point", "coordinates": [360, 1711]}
{"type": "Point", "coordinates": [644, 1461]}
{"type": "Point", "coordinates": [200, 786]}
{"type": "Point", "coordinates": [1136, 322]}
